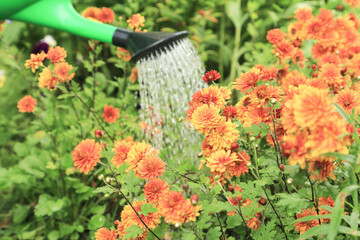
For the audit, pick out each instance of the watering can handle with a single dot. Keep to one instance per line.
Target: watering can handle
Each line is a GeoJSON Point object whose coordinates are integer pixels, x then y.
{"type": "Point", "coordinates": [61, 15]}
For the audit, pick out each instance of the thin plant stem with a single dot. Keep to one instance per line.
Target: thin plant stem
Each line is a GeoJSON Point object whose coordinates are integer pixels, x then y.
{"type": "Point", "coordinates": [278, 216]}
{"type": "Point", "coordinates": [77, 117]}
{"type": "Point", "coordinates": [313, 195]}
{"type": "Point", "coordinates": [118, 186]}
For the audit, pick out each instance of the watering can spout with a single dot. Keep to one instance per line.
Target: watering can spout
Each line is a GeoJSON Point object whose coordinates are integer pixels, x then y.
{"type": "Point", "coordinates": [61, 15]}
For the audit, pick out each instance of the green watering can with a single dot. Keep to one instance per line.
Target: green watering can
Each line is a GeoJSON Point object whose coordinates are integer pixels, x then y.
{"type": "Point", "coordinates": [61, 15]}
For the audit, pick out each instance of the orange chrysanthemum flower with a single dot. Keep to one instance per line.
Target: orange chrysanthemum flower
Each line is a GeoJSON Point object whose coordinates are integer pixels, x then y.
{"type": "Point", "coordinates": [354, 65]}
{"type": "Point", "coordinates": [155, 190]}
{"type": "Point", "coordinates": [247, 80]}
{"type": "Point", "coordinates": [151, 167]}
{"type": "Point", "coordinates": [275, 36]}
{"type": "Point", "coordinates": [138, 153]}
{"type": "Point", "coordinates": [205, 118]}
{"type": "Point", "coordinates": [261, 94]}
{"type": "Point", "coordinates": [304, 226]}
{"type": "Point", "coordinates": [56, 54]}
{"type": "Point", "coordinates": [223, 135]}
{"type": "Point", "coordinates": [123, 54]}
{"type": "Point", "coordinates": [321, 168]}
{"type": "Point", "coordinates": [240, 166]}
{"type": "Point", "coordinates": [86, 155]}
{"type": "Point", "coordinates": [303, 14]}
{"type": "Point", "coordinates": [105, 234]}
{"type": "Point", "coordinates": [27, 104]}
{"type": "Point", "coordinates": [106, 15]}
{"type": "Point", "coordinates": [211, 76]}
{"type": "Point", "coordinates": [349, 100]}
{"type": "Point", "coordinates": [172, 207]}
{"type": "Point", "coordinates": [47, 80]}
{"type": "Point", "coordinates": [91, 12]}
{"type": "Point", "coordinates": [220, 160]}
{"type": "Point", "coordinates": [35, 61]}
{"type": "Point", "coordinates": [62, 70]}
{"type": "Point", "coordinates": [327, 202]}
{"type": "Point", "coordinates": [133, 75]}
{"type": "Point", "coordinates": [253, 223]}
{"type": "Point", "coordinates": [129, 217]}
{"type": "Point", "coordinates": [121, 150]}
{"type": "Point", "coordinates": [212, 95]}
{"type": "Point", "coordinates": [110, 114]}
{"type": "Point", "coordinates": [230, 112]}
{"type": "Point", "coordinates": [353, 3]}
{"type": "Point", "coordinates": [294, 148]}
{"type": "Point", "coordinates": [256, 115]}
{"type": "Point", "coordinates": [311, 106]}
{"type": "Point", "coordinates": [136, 21]}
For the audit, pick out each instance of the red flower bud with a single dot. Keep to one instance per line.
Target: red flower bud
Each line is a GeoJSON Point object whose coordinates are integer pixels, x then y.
{"type": "Point", "coordinates": [231, 188]}
{"type": "Point", "coordinates": [116, 222]}
{"type": "Point", "coordinates": [314, 67]}
{"type": "Point", "coordinates": [339, 7]}
{"type": "Point", "coordinates": [282, 167]}
{"type": "Point", "coordinates": [262, 201]}
{"type": "Point", "coordinates": [194, 199]}
{"type": "Point", "coordinates": [98, 133]}
{"type": "Point", "coordinates": [234, 146]}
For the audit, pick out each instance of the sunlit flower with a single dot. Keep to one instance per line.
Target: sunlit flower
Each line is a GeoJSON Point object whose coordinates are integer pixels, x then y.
{"type": "Point", "coordinates": [256, 115]}
{"type": "Point", "coordinates": [349, 100]}
{"type": "Point", "coordinates": [240, 166]}
{"type": "Point", "coordinates": [136, 21]}
{"type": "Point", "coordinates": [129, 217]}
{"type": "Point", "coordinates": [35, 61]}
{"type": "Point", "coordinates": [105, 234]}
{"type": "Point", "coordinates": [275, 36]}
{"type": "Point", "coordinates": [133, 75]}
{"type": "Point", "coordinates": [311, 106]}
{"type": "Point", "coordinates": [155, 190]}
{"type": "Point", "coordinates": [47, 80]}
{"type": "Point", "coordinates": [56, 54]}
{"type": "Point", "coordinates": [353, 3]}
{"type": "Point", "coordinates": [304, 226]}
{"type": "Point", "coordinates": [253, 223]}
{"type": "Point", "coordinates": [261, 94]}
{"type": "Point", "coordinates": [247, 80]}
{"type": "Point", "coordinates": [151, 167]}
{"type": "Point", "coordinates": [27, 104]}
{"type": "Point", "coordinates": [211, 76]}
{"type": "Point", "coordinates": [220, 160]}
{"type": "Point", "coordinates": [86, 155]}
{"type": "Point", "coordinates": [230, 112]}
{"type": "Point", "coordinates": [106, 15]}
{"type": "Point", "coordinates": [212, 95]}
{"type": "Point", "coordinates": [138, 152]}
{"type": "Point", "coordinates": [62, 70]}
{"type": "Point", "coordinates": [121, 150]}
{"type": "Point", "coordinates": [110, 114]}
{"type": "Point", "coordinates": [205, 118]}
{"type": "Point", "coordinates": [223, 135]}
{"type": "Point", "coordinates": [294, 148]}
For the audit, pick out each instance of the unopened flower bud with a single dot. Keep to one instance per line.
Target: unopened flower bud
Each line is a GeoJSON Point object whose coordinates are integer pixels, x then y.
{"type": "Point", "coordinates": [216, 178]}
{"type": "Point", "coordinates": [315, 74]}
{"type": "Point", "coordinates": [277, 54]}
{"type": "Point", "coordinates": [289, 181]}
{"type": "Point", "coordinates": [273, 101]}
{"type": "Point", "coordinates": [314, 67]}
{"type": "Point", "coordinates": [262, 201]}
{"type": "Point", "coordinates": [339, 7]}
{"type": "Point", "coordinates": [194, 199]}
{"type": "Point", "coordinates": [106, 195]}
{"type": "Point", "coordinates": [231, 188]}
{"type": "Point", "coordinates": [200, 155]}
{"type": "Point", "coordinates": [256, 146]}
{"type": "Point", "coordinates": [248, 164]}
{"type": "Point", "coordinates": [180, 119]}
{"type": "Point", "coordinates": [252, 139]}
{"type": "Point", "coordinates": [101, 177]}
{"type": "Point", "coordinates": [337, 52]}
{"type": "Point", "coordinates": [177, 225]}
{"type": "Point", "coordinates": [116, 222]}
{"type": "Point", "coordinates": [282, 167]}
{"type": "Point", "coordinates": [234, 146]}
{"type": "Point", "coordinates": [108, 180]}
{"type": "Point", "coordinates": [358, 77]}
{"type": "Point", "coordinates": [98, 133]}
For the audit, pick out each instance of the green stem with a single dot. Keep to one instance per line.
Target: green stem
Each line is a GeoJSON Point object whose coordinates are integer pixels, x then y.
{"type": "Point", "coordinates": [234, 60]}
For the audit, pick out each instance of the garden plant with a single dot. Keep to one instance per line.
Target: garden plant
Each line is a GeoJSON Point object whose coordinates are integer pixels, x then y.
{"type": "Point", "coordinates": [277, 122]}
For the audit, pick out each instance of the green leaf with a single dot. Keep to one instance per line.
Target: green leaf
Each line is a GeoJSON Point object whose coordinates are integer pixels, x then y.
{"type": "Point", "coordinates": [147, 208]}
{"type": "Point", "coordinates": [104, 189]}
{"type": "Point", "coordinates": [20, 213]}
{"type": "Point", "coordinates": [234, 221]}
{"type": "Point", "coordinates": [133, 232]}
{"type": "Point", "coordinates": [96, 221]}
{"type": "Point", "coordinates": [214, 233]}
{"type": "Point", "coordinates": [349, 231]}
{"type": "Point", "coordinates": [321, 229]}
{"type": "Point", "coordinates": [266, 231]}
{"type": "Point", "coordinates": [54, 235]}
{"type": "Point", "coordinates": [233, 12]}
{"type": "Point", "coordinates": [47, 206]}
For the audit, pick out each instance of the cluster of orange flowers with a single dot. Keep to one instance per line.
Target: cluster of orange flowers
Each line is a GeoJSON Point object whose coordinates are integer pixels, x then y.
{"type": "Point", "coordinates": [27, 104]}
{"type": "Point", "coordinates": [145, 162]}
{"type": "Point", "coordinates": [304, 226]}
{"type": "Point", "coordinates": [311, 125]}
{"type": "Point", "coordinates": [210, 115]}
{"type": "Point", "coordinates": [57, 72]}
{"type": "Point", "coordinates": [104, 14]}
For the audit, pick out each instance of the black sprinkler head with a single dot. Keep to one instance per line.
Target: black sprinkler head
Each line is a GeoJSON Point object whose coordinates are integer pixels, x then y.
{"type": "Point", "coordinates": [141, 44]}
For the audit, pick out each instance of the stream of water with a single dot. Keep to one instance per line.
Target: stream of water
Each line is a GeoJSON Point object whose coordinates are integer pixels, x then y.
{"type": "Point", "coordinates": [168, 79]}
